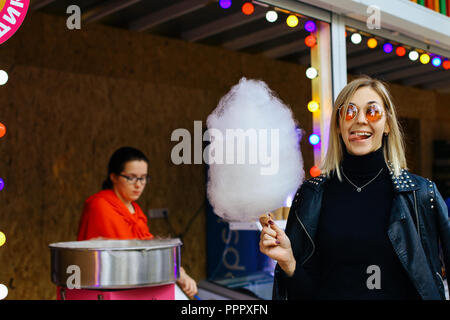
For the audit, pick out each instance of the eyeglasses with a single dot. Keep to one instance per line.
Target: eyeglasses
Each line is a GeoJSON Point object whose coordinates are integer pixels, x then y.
{"type": "Point", "coordinates": [373, 112]}
{"type": "Point", "coordinates": [134, 180]}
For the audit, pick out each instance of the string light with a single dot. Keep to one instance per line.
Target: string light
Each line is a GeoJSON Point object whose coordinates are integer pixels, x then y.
{"type": "Point", "coordinates": [314, 139]}
{"type": "Point", "coordinates": [446, 64]}
{"type": "Point", "coordinates": [424, 58]}
{"type": "Point", "coordinates": [314, 171]}
{"type": "Point", "coordinates": [311, 73]}
{"type": "Point", "coordinates": [292, 21]}
{"type": "Point", "coordinates": [2, 130]}
{"type": "Point", "coordinates": [372, 43]}
{"type": "Point", "coordinates": [310, 41]}
{"type": "Point", "coordinates": [271, 16]}
{"type": "Point", "coordinates": [3, 77]}
{"type": "Point", "coordinates": [413, 55]}
{"type": "Point", "coordinates": [400, 51]}
{"type": "Point", "coordinates": [248, 8]}
{"type": "Point", "coordinates": [310, 26]}
{"type": "Point", "coordinates": [3, 288]}
{"type": "Point", "coordinates": [436, 61]}
{"type": "Point", "coordinates": [313, 106]}
{"type": "Point", "coordinates": [356, 38]}
{"type": "Point", "coordinates": [225, 4]}
{"type": "Point", "coordinates": [3, 291]}
{"type": "Point", "coordinates": [387, 47]}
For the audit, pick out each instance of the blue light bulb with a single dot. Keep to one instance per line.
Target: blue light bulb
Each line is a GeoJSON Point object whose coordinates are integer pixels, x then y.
{"type": "Point", "coordinates": [225, 4]}
{"type": "Point", "coordinates": [310, 26]}
{"type": "Point", "coordinates": [314, 139]}
{"type": "Point", "coordinates": [436, 61]}
{"type": "Point", "coordinates": [387, 47]}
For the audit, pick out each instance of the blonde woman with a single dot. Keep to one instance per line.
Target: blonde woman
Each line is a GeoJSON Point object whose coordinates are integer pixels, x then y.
{"type": "Point", "coordinates": [366, 228]}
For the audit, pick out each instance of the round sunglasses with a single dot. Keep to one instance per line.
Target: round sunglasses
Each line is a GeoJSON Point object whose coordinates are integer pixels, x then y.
{"type": "Point", "coordinates": [373, 112]}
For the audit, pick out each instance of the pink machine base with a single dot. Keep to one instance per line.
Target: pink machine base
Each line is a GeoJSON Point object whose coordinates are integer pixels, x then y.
{"type": "Point", "coordinates": [164, 292]}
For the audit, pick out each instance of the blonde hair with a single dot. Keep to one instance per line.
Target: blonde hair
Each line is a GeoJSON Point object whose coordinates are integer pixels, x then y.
{"type": "Point", "coordinates": [393, 148]}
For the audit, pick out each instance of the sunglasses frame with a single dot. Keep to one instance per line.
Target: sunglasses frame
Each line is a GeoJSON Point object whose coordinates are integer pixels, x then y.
{"type": "Point", "coordinates": [357, 111]}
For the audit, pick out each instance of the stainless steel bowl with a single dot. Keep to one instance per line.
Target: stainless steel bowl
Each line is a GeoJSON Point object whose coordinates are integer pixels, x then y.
{"type": "Point", "coordinates": [115, 264]}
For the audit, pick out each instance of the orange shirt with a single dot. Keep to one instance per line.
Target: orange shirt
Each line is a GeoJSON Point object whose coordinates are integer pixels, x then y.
{"type": "Point", "coordinates": [105, 215]}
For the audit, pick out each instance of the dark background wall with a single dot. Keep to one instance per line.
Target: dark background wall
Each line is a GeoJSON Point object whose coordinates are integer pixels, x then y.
{"type": "Point", "coordinates": [73, 97]}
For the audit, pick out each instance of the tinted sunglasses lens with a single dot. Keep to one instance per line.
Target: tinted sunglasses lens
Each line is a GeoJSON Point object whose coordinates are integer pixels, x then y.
{"type": "Point", "coordinates": [350, 114]}
{"type": "Point", "coordinates": [374, 113]}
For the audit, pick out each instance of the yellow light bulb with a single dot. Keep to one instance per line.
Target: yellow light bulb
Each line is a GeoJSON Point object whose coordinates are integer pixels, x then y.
{"type": "Point", "coordinates": [313, 106]}
{"type": "Point", "coordinates": [2, 238]}
{"type": "Point", "coordinates": [424, 58]}
{"type": "Point", "coordinates": [372, 43]}
{"type": "Point", "coordinates": [292, 21]}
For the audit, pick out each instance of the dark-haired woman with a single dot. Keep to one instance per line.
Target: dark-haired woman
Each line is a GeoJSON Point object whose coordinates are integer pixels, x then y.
{"type": "Point", "coordinates": [113, 213]}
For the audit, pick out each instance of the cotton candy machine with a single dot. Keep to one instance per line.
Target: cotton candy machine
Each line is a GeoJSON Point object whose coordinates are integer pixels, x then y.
{"type": "Point", "coordinates": [115, 264]}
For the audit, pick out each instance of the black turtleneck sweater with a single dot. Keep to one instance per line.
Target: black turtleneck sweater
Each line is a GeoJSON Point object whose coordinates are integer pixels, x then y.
{"type": "Point", "coordinates": [352, 234]}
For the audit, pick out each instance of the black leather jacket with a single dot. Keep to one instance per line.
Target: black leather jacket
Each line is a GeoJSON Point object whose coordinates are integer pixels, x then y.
{"type": "Point", "coordinates": [418, 227]}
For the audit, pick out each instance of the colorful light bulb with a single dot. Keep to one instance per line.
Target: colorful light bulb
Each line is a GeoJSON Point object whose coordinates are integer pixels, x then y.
{"type": "Point", "coordinates": [313, 106]}
{"type": "Point", "coordinates": [3, 77]}
{"type": "Point", "coordinates": [292, 21]}
{"type": "Point", "coordinates": [314, 171]}
{"type": "Point", "coordinates": [310, 26]}
{"type": "Point", "coordinates": [356, 38]}
{"type": "Point", "coordinates": [446, 64]}
{"type": "Point", "coordinates": [314, 139]}
{"type": "Point", "coordinates": [3, 291]}
{"type": "Point", "coordinates": [225, 4]}
{"type": "Point", "coordinates": [2, 238]}
{"type": "Point", "coordinates": [2, 130]}
{"type": "Point", "coordinates": [311, 73]}
{"type": "Point", "coordinates": [387, 47]}
{"type": "Point", "coordinates": [436, 61]}
{"type": "Point", "coordinates": [372, 43]}
{"type": "Point", "coordinates": [413, 55]}
{"type": "Point", "coordinates": [310, 41]}
{"type": "Point", "coordinates": [248, 8]}
{"type": "Point", "coordinates": [424, 58]}
{"type": "Point", "coordinates": [400, 51]}
{"type": "Point", "coordinates": [271, 16]}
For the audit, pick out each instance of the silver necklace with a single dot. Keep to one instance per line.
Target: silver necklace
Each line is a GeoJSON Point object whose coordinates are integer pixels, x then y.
{"type": "Point", "coordinates": [360, 188]}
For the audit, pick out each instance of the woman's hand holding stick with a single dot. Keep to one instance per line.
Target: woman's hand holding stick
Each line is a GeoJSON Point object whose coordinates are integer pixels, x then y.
{"type": "Point", "coordinates": [276, 245]}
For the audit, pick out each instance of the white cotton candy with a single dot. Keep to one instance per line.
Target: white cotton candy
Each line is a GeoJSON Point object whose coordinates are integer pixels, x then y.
{"type": "Point", "coordinates": [243, 190]}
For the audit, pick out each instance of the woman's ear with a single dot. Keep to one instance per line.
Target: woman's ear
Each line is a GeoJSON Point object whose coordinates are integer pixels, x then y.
{"type": "Point", "coordinates": [113, 177]}
{"type": "Point", "coordinates": [387, 129]}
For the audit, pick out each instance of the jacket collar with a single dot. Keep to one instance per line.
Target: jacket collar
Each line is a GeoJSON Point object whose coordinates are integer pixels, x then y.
{"type": "Point", "coordinates": [405, 182]}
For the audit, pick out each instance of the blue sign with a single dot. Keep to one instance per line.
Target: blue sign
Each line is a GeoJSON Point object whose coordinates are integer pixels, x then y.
{"type": "Point", "coordinates": [232, 253]}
